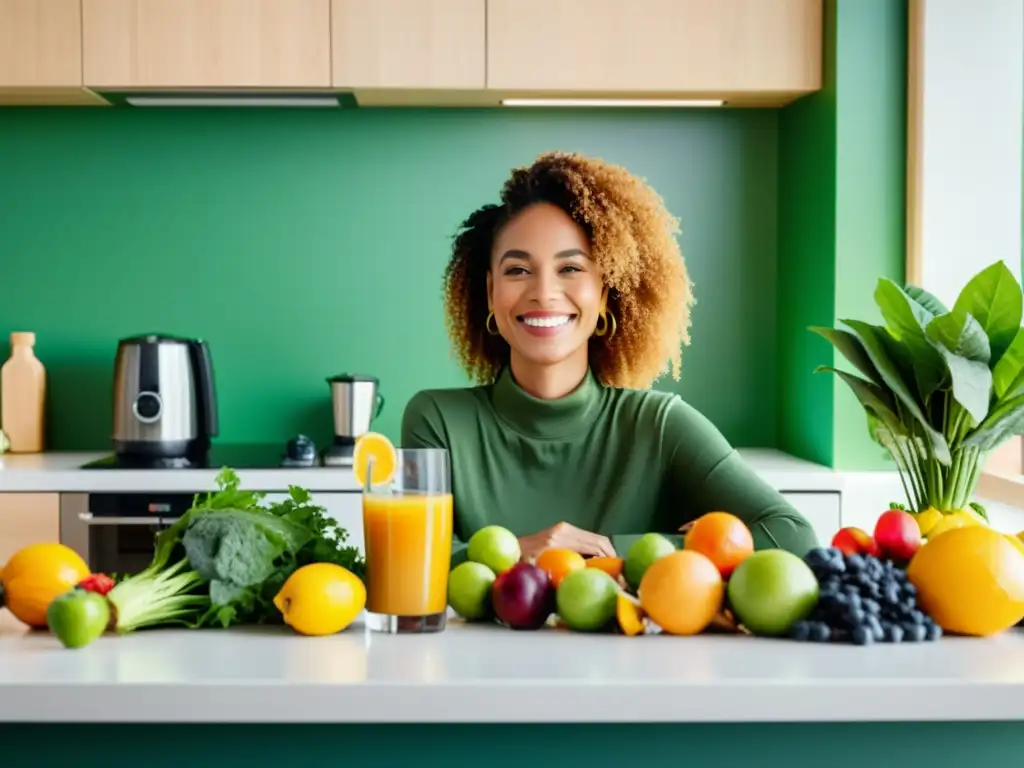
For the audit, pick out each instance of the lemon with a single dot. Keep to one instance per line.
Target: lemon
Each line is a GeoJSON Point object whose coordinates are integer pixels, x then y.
{"type": "Point", "coordinates": [970, 581]}
{"type": "Point", "coordinates": [949, 521]}
{"type": "Point", "coordinates": [927, 520]}
{"type": "Point", "coordinates": [320, 599]}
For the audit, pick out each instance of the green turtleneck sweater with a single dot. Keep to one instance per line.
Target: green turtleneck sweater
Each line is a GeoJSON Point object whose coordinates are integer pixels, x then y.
{"type": "Point", "coordinates": [617, 462]}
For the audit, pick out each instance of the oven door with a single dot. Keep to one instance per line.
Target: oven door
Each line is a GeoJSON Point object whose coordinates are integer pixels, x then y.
{"type": "Point", "coordinates": [109, 544]}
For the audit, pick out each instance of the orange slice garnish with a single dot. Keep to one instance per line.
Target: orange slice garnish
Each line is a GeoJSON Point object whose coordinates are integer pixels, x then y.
{"type": "Point", "coordinates": [629, 614]}
{"type": "Point", "coordinates": [375, 446]}
{"type": "Point", "coordinates": [610, 565]}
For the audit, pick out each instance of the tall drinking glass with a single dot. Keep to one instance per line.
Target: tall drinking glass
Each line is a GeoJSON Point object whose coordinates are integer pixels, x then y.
{"type": "Point", "coordinates": [407, 530]}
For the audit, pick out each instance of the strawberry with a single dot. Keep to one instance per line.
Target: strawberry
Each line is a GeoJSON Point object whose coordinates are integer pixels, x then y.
{"type": "Point", "coordinates": [99, 583]}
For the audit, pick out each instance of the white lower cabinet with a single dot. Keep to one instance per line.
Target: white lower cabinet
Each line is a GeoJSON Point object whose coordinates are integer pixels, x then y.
{"type": "Point", "coordinates": [822, 510]}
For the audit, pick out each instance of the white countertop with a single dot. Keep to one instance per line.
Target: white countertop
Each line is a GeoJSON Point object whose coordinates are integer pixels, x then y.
{"type": "Point", "coordinates": [61, 472]}
{"type": "Point", "coordinates": [491, 674]}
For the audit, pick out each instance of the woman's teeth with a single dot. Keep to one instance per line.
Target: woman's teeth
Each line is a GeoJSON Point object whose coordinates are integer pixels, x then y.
{"type": "Point", "coordinates": [552, 321]}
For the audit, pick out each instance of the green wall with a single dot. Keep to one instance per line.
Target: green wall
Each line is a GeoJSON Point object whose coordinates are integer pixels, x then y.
{"type": "Point", "coordinates": [841, 222]}
{"type": "Point", "coordinates": [807, 241]}
{"type": "Point", "coordinates": [306, 243]}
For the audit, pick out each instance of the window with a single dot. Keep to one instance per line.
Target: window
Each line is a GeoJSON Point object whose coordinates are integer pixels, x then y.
{"type": "Point", "coordinates": [964, 162]}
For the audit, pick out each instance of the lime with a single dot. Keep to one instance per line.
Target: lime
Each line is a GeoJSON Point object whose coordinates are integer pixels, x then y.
{"type": "Point", "coordinates": [642, 553]}
{"type": "Point", "coordinates": [586, 599]}
{"type": "Point", "coordinates": [469, 590]}
{"type": "Point", "coordinates": [495, 547]}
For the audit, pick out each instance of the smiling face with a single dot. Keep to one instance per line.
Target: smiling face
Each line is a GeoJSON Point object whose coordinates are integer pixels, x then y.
{"type": "Point", "coordinates": [544, 289]}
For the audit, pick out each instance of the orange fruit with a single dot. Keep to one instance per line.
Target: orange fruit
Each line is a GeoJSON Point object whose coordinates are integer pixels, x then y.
{"type": "Point", "coordinates": [375, 447]}
{"type": "Point", "coordinates": [37, 574]}
{"type": "Point", "coordinates": [970, 581]}
{"type": "Point", "coordinates": [610, 565]}
{"type": "Point", "coordinates": [721, 537]}
{"type": "Point", "coordinates": [629, 614]}
{"type": "Point", "coordinates": [558, 563]}
{"type": "Point", "coordinates": [682, 592]}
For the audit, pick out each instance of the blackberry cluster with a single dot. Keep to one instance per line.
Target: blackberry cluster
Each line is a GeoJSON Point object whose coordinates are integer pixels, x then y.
{"type": "Point", "coordinates": [862, 600]}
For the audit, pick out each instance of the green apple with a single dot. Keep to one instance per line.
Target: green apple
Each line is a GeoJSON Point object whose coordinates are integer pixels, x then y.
{"type": "Point", "coordinates": [641, 554]}
{"type": "Point", "coordinates": [495, 547]}
{"type": "Point", "coordinates": [469, 590]}
{"type": "Point", "coordinates": [586, 599]}
{"type": "Point", "coordinates": [771, 590]}
{"type": "Point", "coordinates": [78, 617]}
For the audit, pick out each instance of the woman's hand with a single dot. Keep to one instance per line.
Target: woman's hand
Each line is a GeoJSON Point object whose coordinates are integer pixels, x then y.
{"type": "Point", "coordinates": [566, 536]}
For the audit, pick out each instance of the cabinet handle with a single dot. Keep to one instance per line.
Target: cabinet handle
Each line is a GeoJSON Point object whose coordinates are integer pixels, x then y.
{"type": "Point", "coordinates": [90, 519]}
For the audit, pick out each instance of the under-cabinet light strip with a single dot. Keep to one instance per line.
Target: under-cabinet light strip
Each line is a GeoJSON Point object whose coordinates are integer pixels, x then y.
{"type": "Point", "coordinates": [232, 101]}
{"type": "Point", "coordinates": [559, 102]}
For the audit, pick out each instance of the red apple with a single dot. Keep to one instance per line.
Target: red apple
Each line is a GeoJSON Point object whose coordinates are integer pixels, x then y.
{"type": "Point", "coordinates": [898, 535]}
{"type": "Point", "coordinates": [523, 597]}
{"type": "Point", "coordinates": [854, 541]}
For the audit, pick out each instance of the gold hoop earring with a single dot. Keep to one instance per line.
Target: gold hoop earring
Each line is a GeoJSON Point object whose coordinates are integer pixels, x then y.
{"type": "Point", "coordinates": [487, 325]}
{"type": "Point", "coordinates": [606, 325]}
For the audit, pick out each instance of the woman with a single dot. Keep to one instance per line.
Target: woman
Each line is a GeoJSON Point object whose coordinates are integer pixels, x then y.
{"type": "Point", "coordinates": [566, 301]}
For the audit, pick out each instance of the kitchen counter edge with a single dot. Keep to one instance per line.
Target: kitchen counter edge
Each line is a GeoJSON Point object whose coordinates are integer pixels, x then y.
{"type": "Point", "coordinates": [489, 674]}
{"type": "Point", "coordinates": [61, 472]}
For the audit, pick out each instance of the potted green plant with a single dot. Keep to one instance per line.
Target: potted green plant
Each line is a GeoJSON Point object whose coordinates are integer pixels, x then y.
{"type": "Point", "coordinates": [941, 387]}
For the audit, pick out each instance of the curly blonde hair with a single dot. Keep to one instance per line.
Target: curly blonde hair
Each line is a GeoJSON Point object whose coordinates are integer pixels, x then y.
{"type": "Point", "coordinates": [633, 240]}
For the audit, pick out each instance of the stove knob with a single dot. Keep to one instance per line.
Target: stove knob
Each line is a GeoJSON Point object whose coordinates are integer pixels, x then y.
{"type": "Point", "coordinates": [301, 448]}
{"type": "Point", "coordinates": [147, 407]}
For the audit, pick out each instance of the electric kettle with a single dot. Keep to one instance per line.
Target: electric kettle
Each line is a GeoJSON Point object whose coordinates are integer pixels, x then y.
{"type": "Point", "coordinates": [165, 403]}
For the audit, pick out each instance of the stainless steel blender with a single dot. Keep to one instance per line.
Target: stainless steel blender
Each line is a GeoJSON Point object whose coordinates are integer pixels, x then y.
{"type": "Point", "coordinates": [356, 401]}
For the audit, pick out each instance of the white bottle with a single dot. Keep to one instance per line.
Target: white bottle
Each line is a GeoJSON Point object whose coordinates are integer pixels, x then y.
{"type": "Point", "coordinates": [23, 396]}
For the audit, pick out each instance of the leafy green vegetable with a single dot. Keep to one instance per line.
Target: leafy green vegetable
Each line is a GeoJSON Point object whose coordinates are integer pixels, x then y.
{"type": "Point", "coordinates": [941, 388]}
{"type": "Point", "coordinates": [224, 560]}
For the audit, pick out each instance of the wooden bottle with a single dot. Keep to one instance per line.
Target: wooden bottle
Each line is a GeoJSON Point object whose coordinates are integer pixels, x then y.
{"type": "Point", "coordinates": [23, 396]}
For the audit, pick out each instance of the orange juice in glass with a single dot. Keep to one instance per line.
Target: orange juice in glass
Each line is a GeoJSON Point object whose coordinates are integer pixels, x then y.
{"type": "Point", "coordinates": [407, 532]}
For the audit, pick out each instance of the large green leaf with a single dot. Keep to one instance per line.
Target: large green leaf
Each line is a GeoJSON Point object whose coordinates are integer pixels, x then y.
{"type": "Point", "coordinates": [962, 342]}
{"type": "Point", "coordinates": [1003, 423]}
{"type": "Point", "coordinates": [872, 397]}
{"type": "Point", "coordinates": [903, 315]}
{"type": "Point", "coordinates": [907, 321]}
{"type": "Point", "coordinates": [897, 445]}
{"type": "Point", "coordinates": [873, 338]}
{"type": "Point", "coordinates": [1008, 374]}
{"type": "Point", "coordinates": [849, 346]}
{"type": "Point", "coordinates": [880, 433]}
{"type": "Point", "coordinates": [994, 298]}
{"type": "Point", "coordinates": [961, 334]}
{"type": "Point", "coordinates": [927, 300]}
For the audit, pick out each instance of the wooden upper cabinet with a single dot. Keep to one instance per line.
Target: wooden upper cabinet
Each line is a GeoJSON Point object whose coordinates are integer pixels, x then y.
{"type": "Point", "coordinates": [40, 43]}
{"type": "Point", "coordinates": [409, 44]}
{"type": "Point", "coordinates": [655, 46]}
{"type": "Point", "coordinates": [206, 44]}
